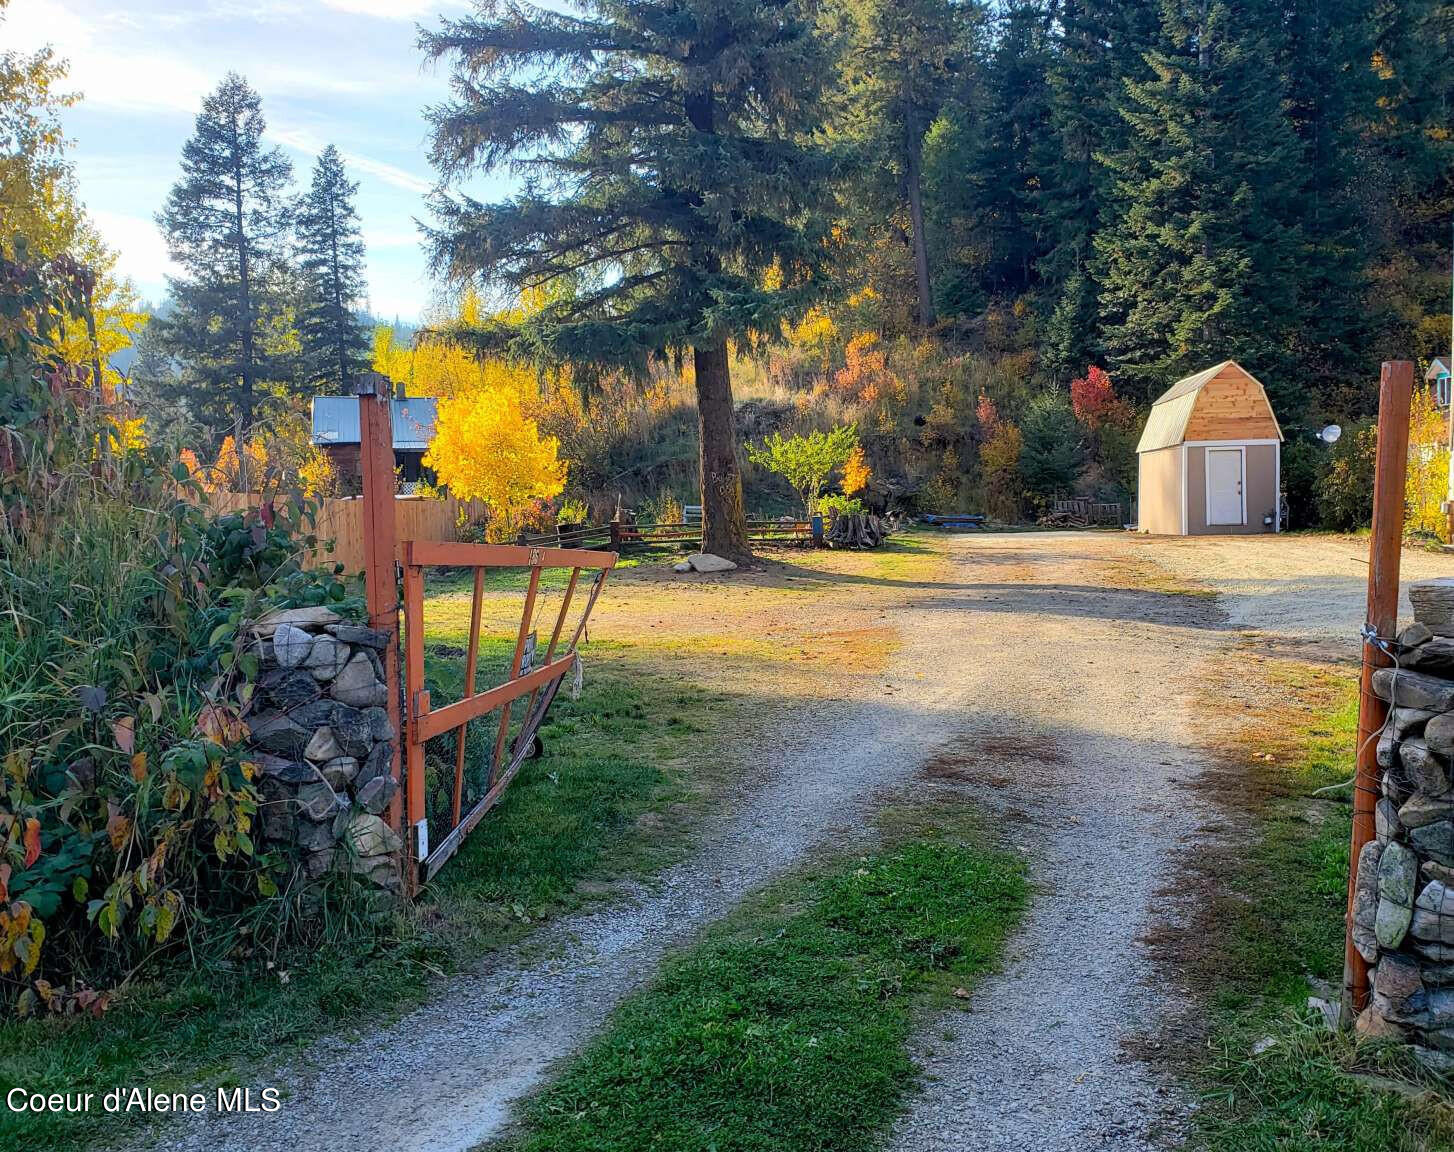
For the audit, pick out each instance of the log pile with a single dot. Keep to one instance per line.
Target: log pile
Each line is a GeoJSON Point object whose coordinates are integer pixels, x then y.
{"type": "Point", "coordinates": [1403, 908]}
{"type": "Point", "coordinates": [862, 530]}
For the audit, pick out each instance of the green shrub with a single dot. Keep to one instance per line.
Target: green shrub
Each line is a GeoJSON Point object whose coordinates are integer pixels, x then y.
{"type": "Point", "coordinates": [840, 506]}
{"type": "Point", "coordinates": [127, 799]}
{"type": "Point", "coordinates": [1345, 487]}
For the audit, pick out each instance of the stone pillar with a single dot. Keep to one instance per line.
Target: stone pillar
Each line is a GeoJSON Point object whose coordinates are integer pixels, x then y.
{"type": "Point", "coordinates": [323, 741]}
{"type": "Point", "coordinates": [1403, 908]}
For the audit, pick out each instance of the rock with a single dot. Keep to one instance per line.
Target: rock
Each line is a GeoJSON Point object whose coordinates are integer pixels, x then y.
{"type": "Point", "coordinates": [1423, 810]}
{"type": "Point", "coordinates": [288, 690]}
{"type": "Point", "coordinates": [1437, 975]}
{"type": "Point", "coordinates": [314, 836]}
{"type": "Point", "coordinates": [358, 634]}
{"type": "Point", "coordinates": [291, 645]}
{"type": "Point", "coordinates": [1407, 722]}
{"type": "Point", "coordinates": [1398, 872]}
{"type": "Point", "coordinates": [316, 865]}
{"type": "Point", "coordinates": [1365, 901]}
{"type": "Point", "coordinates": [1431, 1060]}
{"type": "Point", "coordinates": [1414, 635]}
{"type": "Point", "coordinates": [323, 746]}
{"type": "Point", "coordinates": [1387, 750]}
{"type": "Point", "coordinates": [374, 796]}
{"type": "Point", "coordinates": [1434, 840]}
{"type": "Point", "coordinates": [1439, 735]}
{"type": "Point", "coordinates": [1371, 1026]}
{"type": "Point", "coordinates": [1327, 1011]}
{"type": "Point", "coordinates": [370, 836]}
{"type": "Point", "coordinates": [682, 566]}
{"type": "Point", "coordinates": [377, 665]}
{"type": "Point", "coordinates": [1436, 871]}
{"type": "Point", "coordinates": [1433, 602]}
{"type": "Point", "coordinates": [318, 802]}
{"type": "Point", "coordinates": [353, 730]}
{"type": "Point", "coordinates": [277, 733]}
{"type": "Point", "coordinates": [1396, 982]}
{"type": "Point", "coordinates": [1436, 657]}
{"type": "Point", "coordinates": [1425, 770]}
{"type": "Point", "coordinates": [315, 715]}
{"type": "Point", "coordinates": [1385, 820]}
{"type": "Point", "coordinates": [1413, 690]}
{"type": "Point", "coordinates": [1395, 789]}
{"type": "Point", "coordinates": [1433, 950]}
{"type": "Point", "coordinates": [707, 562]}
{"type": "Point", "coordinates": [380, 726]}
{"type": "Point", "coordinates": [1433, 921]}
{"type": "Point", "coordinates": [316, 617]}
{"type": "Point", "coordinates": [380, 762]}
{"type": "Point", "coordinates": [281, 769]}
{"type": "Point", "coordinates": [339, 772]}
{"type": "Point", "coordinates": [327, 658]}
{"type": "Point", "coordinates": [357, 685]}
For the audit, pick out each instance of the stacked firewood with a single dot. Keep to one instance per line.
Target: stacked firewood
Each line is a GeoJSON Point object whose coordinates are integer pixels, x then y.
{"type": "Point", "coordinates": [860, 530]}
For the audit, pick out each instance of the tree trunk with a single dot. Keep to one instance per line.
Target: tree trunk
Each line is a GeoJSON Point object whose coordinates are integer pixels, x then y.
{"type": "Point", "coordinates": [724, 524]}
{"type": "Point", "coordinates": [244, 305]}
{"type": "Point", "coordinates": [916, 222]}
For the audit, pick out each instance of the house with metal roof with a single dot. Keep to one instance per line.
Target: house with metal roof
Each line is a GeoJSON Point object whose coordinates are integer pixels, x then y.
{"type": "Point", "coordinates": [336, 432]}
{"type": "Point", "coordinates": [1209, 461]}
{"type": "Point", "coordinates": [1437, 379]}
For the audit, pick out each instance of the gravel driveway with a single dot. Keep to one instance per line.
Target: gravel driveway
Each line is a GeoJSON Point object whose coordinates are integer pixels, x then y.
{"type": "Point", "coordinates": [1042, 677]}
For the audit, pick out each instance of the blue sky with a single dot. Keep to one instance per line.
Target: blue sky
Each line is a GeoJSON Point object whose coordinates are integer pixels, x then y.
{"type": "Point", "coordinates": [345, 72]}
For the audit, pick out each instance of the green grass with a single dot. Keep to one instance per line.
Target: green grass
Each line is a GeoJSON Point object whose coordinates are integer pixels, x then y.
{"type": "Point", "coordinates": [784, 1027]}
{"type": "Point", "coordinates": [1280, 928]}
{"type": "Point", "coordinates": [569, 817]}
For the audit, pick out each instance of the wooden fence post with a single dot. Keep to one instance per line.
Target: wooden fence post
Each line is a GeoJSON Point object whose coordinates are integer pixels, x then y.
{"type": "Point", "coordinates": [381, 585]}
{"type": "Point", "coordinates": [1394, 393]}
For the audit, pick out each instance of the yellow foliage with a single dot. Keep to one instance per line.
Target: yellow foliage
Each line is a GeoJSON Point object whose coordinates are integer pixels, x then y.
{"type": "Point", "coordinates": [227, 473]}
{"type": "Point", "coordinates": [1428, 468]}
{"type": "Point", "coordinates": [855, 472]}
{"type": "Point", "coordinates": [486, 448]}
{"type": "Point", "coordinates": [130, 432]}
{"type": "Point", "coordinates": [318, 475]}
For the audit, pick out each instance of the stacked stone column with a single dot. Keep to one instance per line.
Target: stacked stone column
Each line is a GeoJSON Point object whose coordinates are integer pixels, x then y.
{"type": "Point", "coordinates": [1403, 911]}
{"type": "Point", "coordinates": [322, 738]}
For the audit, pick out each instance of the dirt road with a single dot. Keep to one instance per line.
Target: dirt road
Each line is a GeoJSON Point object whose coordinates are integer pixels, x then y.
{"type": "Point", "coordinates": [1049, 678]}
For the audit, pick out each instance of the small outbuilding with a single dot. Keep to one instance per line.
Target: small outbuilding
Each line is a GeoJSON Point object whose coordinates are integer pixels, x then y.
{"type": "Point", "coordinates": [1210, 457]}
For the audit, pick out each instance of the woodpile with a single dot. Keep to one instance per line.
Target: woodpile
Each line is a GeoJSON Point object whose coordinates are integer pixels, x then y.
{"type": "Point", "coordinates": [863, 530]}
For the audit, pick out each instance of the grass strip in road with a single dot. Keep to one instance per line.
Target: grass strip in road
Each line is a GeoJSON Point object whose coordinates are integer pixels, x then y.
{"type": "Point", "coordinates": [1275, 1078]}
{"type": "Point", "coordinates": [785, 1026]}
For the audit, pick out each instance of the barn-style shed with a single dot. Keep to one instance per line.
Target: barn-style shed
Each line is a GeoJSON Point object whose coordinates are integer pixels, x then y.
{"type": "Point", "coordinates": [1210, 457]}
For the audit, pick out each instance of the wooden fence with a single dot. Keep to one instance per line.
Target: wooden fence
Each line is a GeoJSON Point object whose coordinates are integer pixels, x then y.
{"type": "Point", "coordinates": [415, 518]}
{"type": "Point", "coordinates": [617, 536]}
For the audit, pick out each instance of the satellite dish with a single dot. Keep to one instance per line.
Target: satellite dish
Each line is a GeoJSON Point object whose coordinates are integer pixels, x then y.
{"type": "Point", "coordinates": [1330, 434]}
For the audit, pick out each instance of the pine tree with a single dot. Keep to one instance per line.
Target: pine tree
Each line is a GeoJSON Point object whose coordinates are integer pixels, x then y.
{"type": "Point", "coordinates": [225, 221]}
{"type": "Point", "coordinates": [1100, 44]}
{"type": "Point", "coordinates": [1200, 264]}
{"type": "Point", "coordinates": [900, 63]}
{"type": "Point", "coordinates": [335, 345]}
{"type": "Point", "coordinates": [668, 170]}
{"type": "Point", "coordinates": [984, 163]}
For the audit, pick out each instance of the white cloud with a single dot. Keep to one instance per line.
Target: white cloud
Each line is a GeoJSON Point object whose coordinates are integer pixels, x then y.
{"type": "Point", "coordinates": [305, 141]}
{"type": "Point", "coordinates": [386, 9]}
{"type": "Point", "coordinates": [141, 251]}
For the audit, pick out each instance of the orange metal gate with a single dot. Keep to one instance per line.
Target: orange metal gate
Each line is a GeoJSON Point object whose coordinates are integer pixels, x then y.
{"type": "Point", "coordinates": [515, 731]}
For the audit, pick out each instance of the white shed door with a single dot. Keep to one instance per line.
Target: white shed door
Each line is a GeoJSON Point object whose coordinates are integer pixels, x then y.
{"type": "Point", "coordinates": [1224, 486]}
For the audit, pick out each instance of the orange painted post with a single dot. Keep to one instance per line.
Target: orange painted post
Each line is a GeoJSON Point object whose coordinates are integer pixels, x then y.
{"type": "Point", "coordinates": [416, 832]}
{"type": "Point", "coordinates": [1395, 390]}
{"type": "Point", "coordinates": [381, 587]}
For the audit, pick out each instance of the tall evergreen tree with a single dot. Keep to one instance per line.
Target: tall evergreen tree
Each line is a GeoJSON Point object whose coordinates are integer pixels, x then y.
{"type": "Point", "coordinates": [1100, 45]}
{"type": "Point", "coordinates": [331, 260]}
{"type": "Point", "coordinates": [669, 171]}
{"type": "Point", "coordinates": [1200, 264]}
{"type": "Point", "coordinates": [225, 222]}
{"type": "Point", "coordinates": [900, 62]}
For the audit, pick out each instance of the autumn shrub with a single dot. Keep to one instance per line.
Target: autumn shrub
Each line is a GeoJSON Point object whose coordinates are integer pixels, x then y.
{"type": "Point", "coordinates": [127, 802]}
{"type": "Point", "coordinates": [1427, 485]}
{"type": "Point", "coordinates": [1345, 487]}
